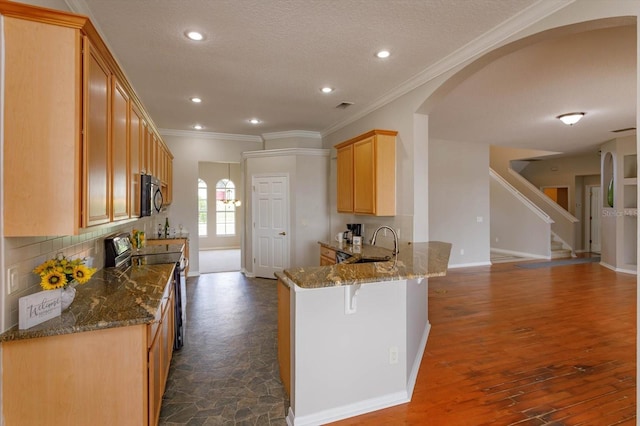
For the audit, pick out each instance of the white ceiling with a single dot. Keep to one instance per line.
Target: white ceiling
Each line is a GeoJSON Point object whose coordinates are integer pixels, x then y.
{"type": "Point", "coordinates": [269, 58]}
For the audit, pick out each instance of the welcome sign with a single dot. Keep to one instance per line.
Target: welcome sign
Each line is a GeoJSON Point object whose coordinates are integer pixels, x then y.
{"type": "Point", "coordinates": [38, 308]}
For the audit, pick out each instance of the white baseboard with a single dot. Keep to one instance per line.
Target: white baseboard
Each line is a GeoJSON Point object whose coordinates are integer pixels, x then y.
{"type": "Point", "coordinates": [346, 411]}
{"type": "Point", "coordinates": [467, 265]}
{"type": "Point", "coordinates": [247, 273]}
{"type": "Point", "coordinates": [369, 405]}
{"type": "Point", "coordinates": [520, 254]}
{"type": "Point", "coordinates": [622, 270]}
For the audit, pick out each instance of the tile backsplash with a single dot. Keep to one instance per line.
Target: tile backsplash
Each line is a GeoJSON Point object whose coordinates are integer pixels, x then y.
{"type": "Point", "coordinates": [23, 254]}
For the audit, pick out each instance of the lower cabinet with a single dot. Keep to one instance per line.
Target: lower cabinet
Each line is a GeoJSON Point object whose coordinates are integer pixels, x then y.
{"type": "Point", "coordinates": [284, 335]}
{"type": "Point", "coordinates": [113, 376]}
{"type": "Point", "coordinates": [161, 334]}
{"type": "Point", "coordinates": [327, 256]}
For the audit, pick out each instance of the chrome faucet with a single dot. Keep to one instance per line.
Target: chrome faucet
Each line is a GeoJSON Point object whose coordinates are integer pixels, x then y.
{"type": "Point", "coordinates": [395, 238]}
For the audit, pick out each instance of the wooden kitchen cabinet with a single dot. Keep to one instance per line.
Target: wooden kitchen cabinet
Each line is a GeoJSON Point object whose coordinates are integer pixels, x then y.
{"type": "Point", "coordinates": [97, 101]}
{"type": "Point", "coordinates": [366, 174]}
{"type": "Point", "coordinates": [120, 178]}
{"type": "Point", "coordinates": [345, 179]}
{"type": "Point", "coordinates": [160, 353]}
{"type": "Point", "coordinates": [284, 335]}
{"type": "Point", "coordinates": [66, 154]}
{"type": "Point", "coordinates": [327, 256]}
{"type": "Point", "coordinates": [135, 136]}
{"type": "Point", "coordinates": [42, 164]}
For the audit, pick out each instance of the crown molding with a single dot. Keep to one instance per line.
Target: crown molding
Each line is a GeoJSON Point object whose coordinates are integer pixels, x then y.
{"type": "Point", "coordinates": [198, 134]}
{"type": "Point", "coordinates": [287, 152]}
{"type": "Point", "coordinates": [292, 134]}
{"type": "Point", "coordinates": [474, 48]}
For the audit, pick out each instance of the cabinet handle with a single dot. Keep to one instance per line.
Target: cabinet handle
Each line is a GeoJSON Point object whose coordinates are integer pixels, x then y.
{"type": "Point", "coordinates": [282, 233]}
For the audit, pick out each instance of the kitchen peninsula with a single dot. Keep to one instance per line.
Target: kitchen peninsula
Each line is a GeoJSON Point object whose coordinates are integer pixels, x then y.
{"type": "Point", "coordinates": [351, 335]}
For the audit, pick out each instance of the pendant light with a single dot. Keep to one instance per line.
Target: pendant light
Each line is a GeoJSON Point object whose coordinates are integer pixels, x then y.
{"type": "Point", "coordinates": [227, 194]}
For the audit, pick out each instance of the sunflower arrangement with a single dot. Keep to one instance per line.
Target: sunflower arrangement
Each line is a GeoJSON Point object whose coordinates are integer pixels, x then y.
{"type": "Point", "coordinates": [60, 271]}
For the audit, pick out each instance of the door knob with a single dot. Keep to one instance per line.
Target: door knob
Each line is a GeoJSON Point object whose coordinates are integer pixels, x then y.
{"type": "Point", "coordinates": [283, 233]}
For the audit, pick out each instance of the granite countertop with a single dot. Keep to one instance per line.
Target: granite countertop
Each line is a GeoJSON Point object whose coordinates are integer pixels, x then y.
{"type": "Point", "coordinates": [113, 297]}
{"type": "Point", "coordinates": [415, 260]}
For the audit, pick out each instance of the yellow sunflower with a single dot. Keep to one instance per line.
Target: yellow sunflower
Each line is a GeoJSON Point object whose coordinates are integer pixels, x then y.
{"type": "Point", "coordinates": [82, 274]}
{"type": "Point", "coordinates": [53, 279]}
{"type": "Point", "coordinates": [45, 266]}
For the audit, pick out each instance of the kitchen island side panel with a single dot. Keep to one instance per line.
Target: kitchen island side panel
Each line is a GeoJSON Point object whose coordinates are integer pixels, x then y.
{"type": "Point", "coordinates": [346, 364]}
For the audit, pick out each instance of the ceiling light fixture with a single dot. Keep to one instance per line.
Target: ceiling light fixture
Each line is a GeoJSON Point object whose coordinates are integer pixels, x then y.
{"type": "Point", "coordinates": [198, 127]}
{"type": "Point", "coordinates": [194, 35]}
{"type": "Point", "coordinates": [229, 193]}
{"type": "Point", "coordinates": [571, 118]}
{"type": "Point", "coordinates": [255, 121]}
{"type": "Point", "coordinates": [383, 54]}
{"type": "Point", "coordinates": [195, 100]}
{"type": "Point", "coordinates": [327, 89]}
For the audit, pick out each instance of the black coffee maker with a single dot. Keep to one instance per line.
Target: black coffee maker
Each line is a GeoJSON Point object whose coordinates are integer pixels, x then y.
{"type": "Point", "coordinates": [353, 230]}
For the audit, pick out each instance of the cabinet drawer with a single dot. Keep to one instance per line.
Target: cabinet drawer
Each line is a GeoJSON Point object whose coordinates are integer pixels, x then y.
{"type": "Point", "coordinates": [327, 252]}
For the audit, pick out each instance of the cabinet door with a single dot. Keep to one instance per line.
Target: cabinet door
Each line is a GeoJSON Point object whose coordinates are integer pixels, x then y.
{"type": "Point", "coordinates": [135, 133]}
{"type": "Point", "coordinates": [345, 179]}
{"type": "Point", "coordinates": [41, 67]}
{"type": "Point", "coordinates": [155, 378]}
{"type": "Point", "coordinates": [364, 197]}
{"type": "Point", "coordinates": [96, 139]}
{"type": "Point", "coordinates": [119, 145]}
{"type": "Point", "coordinates": [168, 330]}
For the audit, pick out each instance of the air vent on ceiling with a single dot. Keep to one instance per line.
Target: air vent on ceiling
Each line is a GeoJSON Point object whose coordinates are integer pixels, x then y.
{"type": "Point", "coordinates": [344, 105]}
{"type": "Point", "coordinates": [623, 130]}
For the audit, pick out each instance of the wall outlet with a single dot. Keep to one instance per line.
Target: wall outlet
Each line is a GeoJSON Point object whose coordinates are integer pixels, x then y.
{"type": "Point", "coordinates": [462, 252]}
{"type": "Point", "coordinates": [497, 239]}
{"type": "Point", "coordinates": [479, 219]}
{"type": "Point", "coordinates": [393, 355]}
{"type": "Point", "coordinates": [13, 282]}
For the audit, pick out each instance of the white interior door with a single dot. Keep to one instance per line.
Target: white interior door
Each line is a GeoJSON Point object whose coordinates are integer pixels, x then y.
{"type": "Point", "coordinates": [271, 225]}
{"type": "Point", "coordinates": [594, 223]}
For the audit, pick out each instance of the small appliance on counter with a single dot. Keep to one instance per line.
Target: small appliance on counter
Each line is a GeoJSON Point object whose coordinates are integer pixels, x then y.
{"type": "Point", "coordinates": [353, 230]}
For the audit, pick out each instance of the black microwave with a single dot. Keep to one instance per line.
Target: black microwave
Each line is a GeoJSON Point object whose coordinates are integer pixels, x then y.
{"type": "Point", "coordinates": [150, 196]}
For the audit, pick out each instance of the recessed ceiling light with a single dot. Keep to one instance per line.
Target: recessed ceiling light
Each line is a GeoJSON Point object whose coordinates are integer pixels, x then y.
{"type": "Point", "coordinates": [194, 35]}
{"type": "Point", "coordinates": [383, 54]}
{"type": "Point", "coordinates": [255, 121]}
{"type": "Point", "coordinates": [195, 100]}
{"type": "Point", "coordinates": [198, 126]}
{"type": "Point", "coordinates": [327, 89]}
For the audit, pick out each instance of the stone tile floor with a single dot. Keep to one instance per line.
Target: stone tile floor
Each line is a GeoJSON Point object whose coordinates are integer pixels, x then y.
{"type": "Point", "coordinates": [227, 372]}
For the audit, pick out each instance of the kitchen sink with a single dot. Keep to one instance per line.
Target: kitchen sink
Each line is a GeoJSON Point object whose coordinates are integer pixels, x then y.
{"type": "Point", "coordinates": [370, 260]}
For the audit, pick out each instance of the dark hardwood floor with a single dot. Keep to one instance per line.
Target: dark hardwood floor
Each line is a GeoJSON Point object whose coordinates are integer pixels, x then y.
{"type": "Point", "coordinates": [516, 346]}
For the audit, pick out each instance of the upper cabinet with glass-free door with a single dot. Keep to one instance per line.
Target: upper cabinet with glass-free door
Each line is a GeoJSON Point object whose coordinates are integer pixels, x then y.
{"type": "Point", "coordinates": [68, 159]}
{"type": "Point", "coordinates": [366, 174]}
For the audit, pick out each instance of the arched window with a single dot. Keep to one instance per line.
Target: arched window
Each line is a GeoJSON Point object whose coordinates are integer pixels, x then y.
{"type": "Point", "coordinates": [225, 207]}
{"type": "Point", "coordinates": [202, 208]}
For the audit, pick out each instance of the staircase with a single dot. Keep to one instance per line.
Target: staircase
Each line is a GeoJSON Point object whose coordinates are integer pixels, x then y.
{"type": "Point", "coordinates": [558, 251]}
